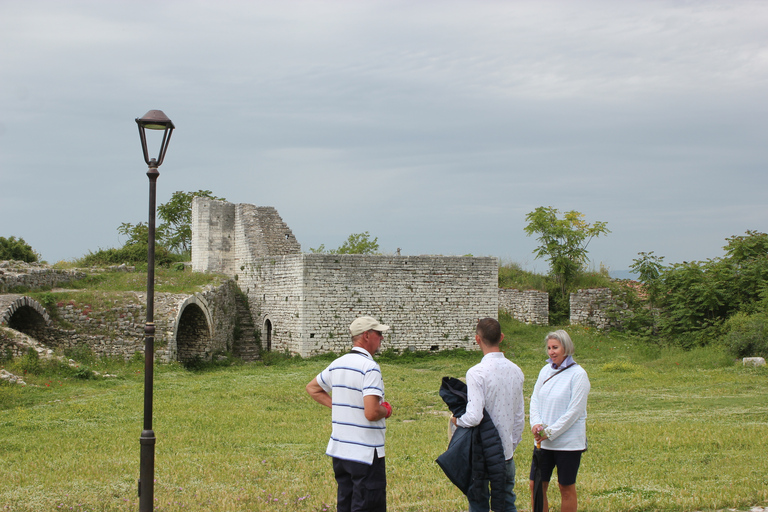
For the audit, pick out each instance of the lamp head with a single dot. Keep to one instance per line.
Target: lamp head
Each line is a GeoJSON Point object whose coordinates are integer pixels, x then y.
{"type": "Point", "coordinates": [155, 120]}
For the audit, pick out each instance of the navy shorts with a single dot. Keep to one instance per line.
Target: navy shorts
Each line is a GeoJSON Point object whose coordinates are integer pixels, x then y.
{"type": "Point", "coordinates": [567, 464]}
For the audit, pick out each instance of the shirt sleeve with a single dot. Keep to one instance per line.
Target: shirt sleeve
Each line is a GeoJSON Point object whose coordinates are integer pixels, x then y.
{"type": "Point", "coordinates": [323, 378]}
{"type": "Point", "coordinates": [373, 383]}
{"type": "Point", "coordinates": [475, 403]}
{"type": "Point", "coordinates": [534, 411]}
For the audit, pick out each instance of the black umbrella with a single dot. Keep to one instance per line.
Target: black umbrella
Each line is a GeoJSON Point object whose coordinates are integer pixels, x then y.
{"type": "Point", "coordinates": [538, 492]}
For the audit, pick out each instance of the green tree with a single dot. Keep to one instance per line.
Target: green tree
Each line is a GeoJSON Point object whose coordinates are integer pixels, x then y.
{"type": "Point", "coordinates": [176, 215]}
{"type": "Point", "coordinates": [174, 233]}
{"type": "Point", "coordinates": [697, 299]}
{"type": "Point", "coordinates": [649, 268]}
{"type": "Point", "coordinates": [563, 241]}
{"type": "Point", "coordinates": [357, 243]}
{"type": "Point", "coordinates": [136, 234]}
{"type": "Point", "coordinates": [13, 248]}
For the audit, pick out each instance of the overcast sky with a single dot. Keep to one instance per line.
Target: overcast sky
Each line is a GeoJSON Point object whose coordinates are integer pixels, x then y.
{"type": "Point", "coordinates": [434, 125]}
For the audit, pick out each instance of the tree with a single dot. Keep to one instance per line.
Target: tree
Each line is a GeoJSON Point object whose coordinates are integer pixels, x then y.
{"type": "Point", "coordinates": [176, 215]}
{"type": "Point", "coordinates": [175, 231]}
{"type": "Point", "coordinates": [17, 249]}
{"type": "Point", "coordinates": [697, 298]}
{"type": "Point", "coordinates": [357, 243]}
{"type": "Point", "coordinates": [649, 269]}
{"type": "Point", "coordinates": [563, 241]}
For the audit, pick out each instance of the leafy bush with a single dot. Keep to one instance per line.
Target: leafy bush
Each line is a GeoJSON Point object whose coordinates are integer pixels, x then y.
{"type": "Point", "coordinates": [695, 299]}
{"type": "Point", "coordinates": [17, 249]}
{"type": "Point", "coordinates": [129, 254]}
{"type": "Point", "coordinates": [84, 373]}
{"type": "Point", "coordinates": [747, 335]}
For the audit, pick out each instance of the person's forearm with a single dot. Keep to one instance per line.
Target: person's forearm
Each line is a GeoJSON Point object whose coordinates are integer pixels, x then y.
{"type": "Point", "coordinates": [318, 394]}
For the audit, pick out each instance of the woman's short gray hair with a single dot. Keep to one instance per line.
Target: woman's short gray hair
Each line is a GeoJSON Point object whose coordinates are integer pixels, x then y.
{"type": "Point", "coordinates": [564, 339]}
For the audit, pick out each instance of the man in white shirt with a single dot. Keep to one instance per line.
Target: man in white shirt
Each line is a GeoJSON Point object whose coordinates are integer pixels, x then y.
{"type": "Point", "coordinates": [353, 388]}
{"type": "Point", "coordinates": [496, 385]}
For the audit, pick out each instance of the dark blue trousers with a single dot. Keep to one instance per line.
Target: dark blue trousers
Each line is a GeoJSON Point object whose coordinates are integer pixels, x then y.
{"type": "Point", "coordinates": [362, 488]}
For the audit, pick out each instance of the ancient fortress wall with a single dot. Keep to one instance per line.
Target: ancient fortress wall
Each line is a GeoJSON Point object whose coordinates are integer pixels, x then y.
{"type": "Point", "coordinates": [304, 303]}
{"type": "Point", "coordinates": [187, 326]}
{"type": "Point", "coordinates": [528, 306]}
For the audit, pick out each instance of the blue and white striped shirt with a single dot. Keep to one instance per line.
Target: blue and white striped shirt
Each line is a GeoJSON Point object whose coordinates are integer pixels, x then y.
{"type": "Point", "coordinates": [348, 380]}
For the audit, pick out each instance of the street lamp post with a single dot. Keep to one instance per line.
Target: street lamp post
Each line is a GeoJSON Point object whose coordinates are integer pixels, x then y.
{"type": "Point", "coordinates": [152, 120]}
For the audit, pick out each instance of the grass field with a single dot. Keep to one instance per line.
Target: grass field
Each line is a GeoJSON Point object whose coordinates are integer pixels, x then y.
{"type": "Point", "coordinates": [668, 430]}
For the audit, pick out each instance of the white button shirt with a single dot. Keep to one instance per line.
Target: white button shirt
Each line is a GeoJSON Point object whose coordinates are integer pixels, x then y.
{"type": "Point", "coordinates": [496, 385]}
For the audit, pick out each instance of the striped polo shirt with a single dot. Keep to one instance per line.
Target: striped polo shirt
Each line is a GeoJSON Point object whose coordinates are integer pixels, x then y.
{"type": "Point", "coordinates": [348, 379]}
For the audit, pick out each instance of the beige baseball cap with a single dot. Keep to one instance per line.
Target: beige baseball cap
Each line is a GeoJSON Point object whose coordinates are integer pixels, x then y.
{"type": "Point", "coordinates": [366, 323]}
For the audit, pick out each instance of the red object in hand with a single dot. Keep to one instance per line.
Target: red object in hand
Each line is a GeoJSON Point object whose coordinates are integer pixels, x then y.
{"type": "Point", "coordinates": [388, 408]}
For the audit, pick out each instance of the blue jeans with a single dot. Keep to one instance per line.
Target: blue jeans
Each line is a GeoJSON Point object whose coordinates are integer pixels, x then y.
{"type": "Point", "coordinates": [509, 491]}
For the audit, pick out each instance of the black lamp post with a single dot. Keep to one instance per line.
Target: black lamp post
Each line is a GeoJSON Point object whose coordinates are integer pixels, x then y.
{"type": "Point", "coordinates": [152, 120]}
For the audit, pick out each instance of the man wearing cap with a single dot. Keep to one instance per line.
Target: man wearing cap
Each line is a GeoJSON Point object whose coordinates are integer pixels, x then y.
{"type": "Point", "coordinates": [354, 390]}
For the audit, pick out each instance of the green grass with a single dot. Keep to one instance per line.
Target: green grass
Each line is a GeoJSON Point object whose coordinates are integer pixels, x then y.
{"type": "Point", "coordinates": [105, 290]}
{"type": "Point", "coordinates": [668, 430]}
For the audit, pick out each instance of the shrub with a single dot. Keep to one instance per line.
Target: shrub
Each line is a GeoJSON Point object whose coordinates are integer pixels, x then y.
{"type": "Point", "coordinates": [747, 335]}
{"type": "Point", "coordinates": [134, 254]}
{"type": "Point", "coordinates": [30, 362]}
{"type": "Point", "coordinates": [17, 249]}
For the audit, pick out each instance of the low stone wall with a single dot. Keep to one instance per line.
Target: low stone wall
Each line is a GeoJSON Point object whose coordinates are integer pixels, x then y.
{"type": "Point", "coordinates": [528, 306]}
{"type": "Point", "coordinates": [597, 308]}
{"type": "Point", "coordinates": [186, 326]}
{"type": "Point", "coordinates": [34, 276]}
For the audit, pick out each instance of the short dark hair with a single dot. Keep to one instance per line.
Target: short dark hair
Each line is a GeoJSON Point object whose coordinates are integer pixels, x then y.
{"type": "Point", "coordinates": [489, 331]}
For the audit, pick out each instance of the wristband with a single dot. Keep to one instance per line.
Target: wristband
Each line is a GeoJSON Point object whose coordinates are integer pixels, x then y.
{"type": "Point", "coordinates": [388, 408]}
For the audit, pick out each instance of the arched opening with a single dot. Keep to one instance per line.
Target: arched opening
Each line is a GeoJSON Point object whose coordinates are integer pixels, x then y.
{"type": "Point", "coordinates": [27, 316]}
{"type": "Point", "coordinates": [268, 332]}
{"type": "Point", "coordinates": [193, 336]}
{"type": "Point", "coordinates": [27, 320]}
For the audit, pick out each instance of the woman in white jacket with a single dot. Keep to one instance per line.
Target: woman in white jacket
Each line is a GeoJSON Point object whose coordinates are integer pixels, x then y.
{"type": "Point", "coordinates": [558, 416]}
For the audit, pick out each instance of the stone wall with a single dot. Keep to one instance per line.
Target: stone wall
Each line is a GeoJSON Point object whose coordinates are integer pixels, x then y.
{"type": "Point", "coordinates": [596, 307]}
{"type": "Point", "coordinates": [528, 306]}
{"type": "Point", "coordinates": [304, 303]}
{"type": "Point", "coordinates": [186, 326]}
{"type": "Point", "coordinates": [205, 323]}
{"type": "Point", "coordinates": [226, 236]}
{"type": "Point", "coordinates": [34, 276]}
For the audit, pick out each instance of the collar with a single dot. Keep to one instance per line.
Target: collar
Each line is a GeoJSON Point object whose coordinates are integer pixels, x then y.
{"type": "Point", "coordinates": [362, 351]}
{"type": "Point", "coordinates": [493, 355]}
{"type": "Point", "coordinates": [567, 361]}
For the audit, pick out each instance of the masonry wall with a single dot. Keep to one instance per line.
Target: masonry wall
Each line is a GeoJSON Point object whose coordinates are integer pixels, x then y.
{"type": "Point", "coordinates": [431, 302]}
{"type": "Point", "coordinates": [591, 307]}
{"type": "Point", "coordinates": [274, 286]}
{"type": "Point", "coordinates": [33, 276]}
{"type": "Point", "coordinates": [528, 306]}
{"type": "Point", "coordinates": [213, 236]}
{"type": "Point", "coordinates": [186, 326]}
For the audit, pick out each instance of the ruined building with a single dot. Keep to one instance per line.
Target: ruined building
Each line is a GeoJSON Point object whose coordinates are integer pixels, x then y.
{"type": "Point", "coordinates": [303, 303]}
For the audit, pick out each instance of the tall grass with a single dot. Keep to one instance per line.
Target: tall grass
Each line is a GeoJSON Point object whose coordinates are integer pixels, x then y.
{"type": "Point", "coordinates": [668, 430]}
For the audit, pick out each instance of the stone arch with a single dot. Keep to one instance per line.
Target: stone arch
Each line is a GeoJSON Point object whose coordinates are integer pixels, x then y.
{"type": "Point", "coordinates": [193, 330]}
{"type": "Point", "coordinates": [26, 315]}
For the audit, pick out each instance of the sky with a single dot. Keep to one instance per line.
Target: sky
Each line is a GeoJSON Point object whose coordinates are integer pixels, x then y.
{"type": "Point", "coordinates": [435, 126]}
